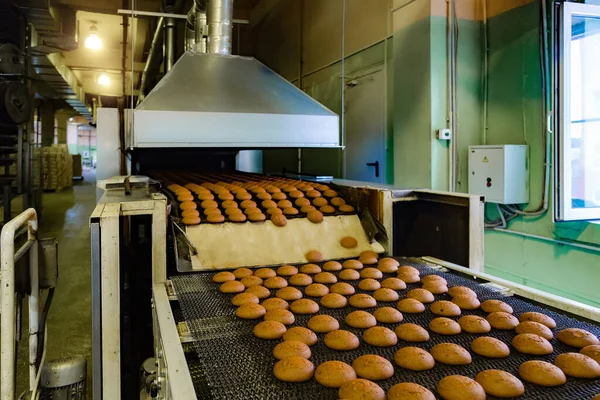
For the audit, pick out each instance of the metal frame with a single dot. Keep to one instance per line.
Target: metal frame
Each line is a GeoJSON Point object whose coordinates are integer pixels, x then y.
{"type": "Point", "coordinates": [9, 319]}
{"type": "Point", "coordinates": [563, 187]}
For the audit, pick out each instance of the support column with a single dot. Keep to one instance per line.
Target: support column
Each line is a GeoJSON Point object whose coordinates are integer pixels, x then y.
{"type": "Point", "coordinates": [47, 119]}
{"type": "Point", "coordinates": [62, 119]}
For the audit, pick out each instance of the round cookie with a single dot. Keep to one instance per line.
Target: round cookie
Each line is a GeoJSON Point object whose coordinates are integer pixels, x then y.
{"type": "Point", "coordinates": [592, 351]}
{"type": "Point", "coordinates": [216, 218]}
{"type": "Point", "coordinates": [260, 291]}
{"type": "Point", "coordinates": [342, 288]}
{"type": "Point", "coordinates": [242, 272]}
{"type": "Point", "coordinates": [301, 334]}
{"type": "Point", "coordinates": [300, 280]}
{"type": "Point", "coordinates": [294, 369]}
{"type": "Point", "coordinates": [287, 270]}
{"type": "Point", "coordinates": [304, 306]}
{"type": "Point", "coordinates": [280, 315]}
{"type": "Point", "coordinates": [388, 315]}
{"type": "Point", "coordinates": [380, 336]}
{"type": "Point", "coordinates": [275, 303]}
{"type": "Point", "coordinates": [314, 216]}
{"type": "Point", "coordinates": [347, 242]}
{"type": "Point", "coordinates": [450, 354]}
{"type": "Point", "coordinates": [408, 277]}
{"type": "Point", "coordinates": [369, 285]}
{"type": "Point", "coordinates": [538, 317]}
{"type": "Point", "coordinates": [461, 290]}
{"type": "Point", "coordinates": [409, 391]}
{"type": "Point", "coordinates": [323, 324]}
{"type": "Point", "coordinates": [316, 290]}
{"type": "Point", "coordinates": [422, 295]}
{"type": "Point", "coordinates": [536, 328]}
{"type": "Point", "coordinates": [341, 340]}
{"type": "Point", "coordinates": [310, 269]}
{"type": "Point", "coordinates": [333, 300]}
{"type": "Point", "coordinates": [542, 373]}
{"type": "Point", "coordinates": [393, 283]}
{"type": "Point", "coordinates": [332, 266]}
{"type": "Point", "coordinates": [329, 193]}
{"type": "Point", "coordinates": [368, 260]}
{"type": "Point", "coordinates": [444, 326]}
{"type": "Point", "coordinates": [251, 280]}
{"type": "Point", "coordinates": [385, 295]}
{"type": "Point", "coordinates": [232, 287]}
{"type": "Point", "coordinates": [407, 269]}
{"type": "Point", "coordinates": [338, 201]}
{"type": "Point", "coordinates": [327, 209]}
{"type": "Point", "coordinates": [502, 320]}
{"type": "Point", "coordinates": [474, 324]}
{"type": "Point", "coordinates": [325, 277]}
{"type": "Point", "coordinates": [290, 211]}
{"type": "Point", "coordinates": [361, 389]}
{"type": "Point", "coordinates": [500, 383]}
{"type": "Point", "coordinates": [576, 337]}
{"type": "Point", "coordinates": [466, 302]}
{"type": "Point", "coordinates": [410, 306]}
{"type": "Point", "coordinates": [369, 254]}
{"type": "Point", "coordinates": [224, 276]}
{"type": "Point", "coordinates": [209, 204]}
{"type": "Point", "coordinates": [291, 348]}
{"type": "Point", "coordinates": [244, 298]}
{"type": "Point", "coordinates": [265, 273]}
{"type": "Point", "coordinates": [433, 279]}
{"type": "Point", "coordinates": [283, 204]}
{"type": "Point", "coordinates": [414, 359]}
{"type": "Point", "coordinates": [445, 308]}
{"type": "Point", "coordinates": [490, 306]}
{"type": "Point", "coordinates": [289, 293]}
{"type": "Point", "coordinates": [578, 365]}
{"type": "Point", "coordinates": [371, 272]}
{"type": "Point", "coordinates": [274, 211]}
{"type": "Point", "coordinates": [250, 311]}
{"type": "Point", "coordinates": [373, 367]}
{"type": "Point", "coordinates": [301, 202]}
{"type": "Point", "coordinates": [313, 256]}
{"type": "Point", "coordinates": [457, 387]}
{"type": "Point", "coordinates": [387, 265]}
{"type": "Point", "coordinates": [275, 282]}
{"type": "Point", "coordinates": [278, 220]}
{"type": "Point", "coordinates": [490, 347]}
{"type": "Point", "coordinates": [528, 343]}
{"type": "Point", "coordinates": [269, 204]}
{"type": "Point", "coordinates": [435, 288]}
{"type": "Point", "coordinates": [349, 275]}
{"type": "Point", "coordinates": [352, 264]}
{"type": "Point", "coordinates": [269, 330]}
{"type": "Point", "coordinates": [361, 319]}
{"type": "Point", "coordinates": [334, 374]}
{"type": "Point", "coordinates": [362, 300]}
{"type": "Point", "coordinates": [412, 333]}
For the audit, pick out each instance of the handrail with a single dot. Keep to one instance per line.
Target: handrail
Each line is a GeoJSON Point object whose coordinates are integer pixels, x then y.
{"type": "Point", "coordinates": [7, 293]}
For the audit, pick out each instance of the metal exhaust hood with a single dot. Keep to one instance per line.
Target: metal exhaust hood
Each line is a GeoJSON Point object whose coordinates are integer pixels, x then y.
{"type": "Point", "coordinates": [216, 100]}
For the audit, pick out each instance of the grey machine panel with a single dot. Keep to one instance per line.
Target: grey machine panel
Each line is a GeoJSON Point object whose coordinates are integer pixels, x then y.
{"type": "Point", "coordinates": [214, 100]}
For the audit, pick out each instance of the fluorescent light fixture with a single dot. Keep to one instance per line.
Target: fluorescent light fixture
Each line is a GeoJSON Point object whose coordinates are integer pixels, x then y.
{"type": "Point", "coordinates": [93, 41]}
{"type": "Point", "coordinates": [71, 119]}
{"type": "Point", "coordinates": [104, 80]}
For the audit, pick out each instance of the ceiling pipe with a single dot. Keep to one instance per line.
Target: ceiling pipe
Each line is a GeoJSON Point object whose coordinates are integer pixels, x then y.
{"type": "Point", "coordinates": [219, 15]}
{"type": "Point", "coordinates": [153, 60]}
{"type": "Point", "coordinates": [169, 44]}
{"type": "Point", "coordinates": [194, 28]}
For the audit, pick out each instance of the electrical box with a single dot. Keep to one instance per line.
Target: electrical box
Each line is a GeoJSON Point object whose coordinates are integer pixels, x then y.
{"type": "Point", "coordinates": [500, 173]}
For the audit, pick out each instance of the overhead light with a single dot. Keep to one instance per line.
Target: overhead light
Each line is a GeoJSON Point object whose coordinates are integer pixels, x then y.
{"type": "Point", "coordinates": [104, 80]}
{"type": "Point", "coordinates": [93, 41]}
{"type": "Point", "coordinates": [71, 119]}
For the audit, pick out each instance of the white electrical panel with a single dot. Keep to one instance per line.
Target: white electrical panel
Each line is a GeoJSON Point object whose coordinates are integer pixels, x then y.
{"type": "Point", "coordinates": [500, 173]}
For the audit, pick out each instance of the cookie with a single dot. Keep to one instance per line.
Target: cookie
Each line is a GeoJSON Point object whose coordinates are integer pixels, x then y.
{"type": "Point", "coordinates": [538, 317]}
{"type": "Point", "coordinates": [314, 216]}
{"type": "Point", "coordinates": [444, 326]}
{"type": "Point", "coordinates": [313, 256]}
{"type": "Point", "coordinates": [301, 202]}
{"type": "Point", "coordinates": [360, 319]}
{"type": "Point", "coordinates": [280, 315]}
{"type": "Point", "coordinates": [310, 269]}
{"type": "Point", "coordinates": [445, 308]}
{"type": "Point", "coordinates": [407, 269]}
{"type": "Point", "coordinates": [502, 320]}
{"type": "Point", "coordinates": [592, 351]}
{"type": "Point", "coordinates": [388, 315]}
{"type": "Point", "coordinates": [327, 209]}
{"type": "Point", "coordinates": [341, 340]}
{"type": "Point", "coordinates": [393, 283]}
{"type": "Point", "coordinates": [333, 300]}
{"type": "Point", "coordinates": [260, 291]}
{"type": "Point", "coordinates": [414, 359]}
{"type": "Point", "coordinates": [352, 264]}
{"type": "Point", "coordinates": [287, 270]}
{"type": "Point", "coordinates": [338, 201]}
{"type": "Point", "coordinates": [373, 367]}
{"type": "Point", "coordinates": [408, 278]}
{"type": "Point", "coordinates": [242, 272]}
{"type": "Point", "coordinates": [474, 324]}
{"type": "Point", "coordinates": [368, 260]}
{"type": "Point", "coordinates": [244, 298]}
{"type": "Point", "coordinates": [372, 273]}
{"type": "Point", "coordinates": [249, 281]}
{"type": "Point", "coordinates": [490, 306]}
{"type": "Point", "coordinates": [361, 389]}
{"type": "Point", "coordinates": [301, 334]}
{"type": "Point", "coordinates": [380, 336]}
{"type": "Point", "coordinates": [349, 275]}
{"type": "Point", "coordinates": [342, 288]}
{"type": "Point", "coordinates": [528, 343]}
{"type": "Point", "coordinates": [466, 302]}
{"type": "Point", "coordinates": [457, 387]}
{"type": "Point", "coordinates": [409, 391]}
{"type": "Point", "coordinates": [276, 282]}
{"type": "Point", "coordinates": [362, 300]}
{"type": "Point", "coordinates": [490, 347]}
{"type": "Point", "coordinates": [289, 293]}
{"type": "Point", "coordinates": [412, 333]}
{"type": "Point", "coordinates": [190, 220]}
{"type": "Point", "coordinates": [578, 365]}
{"type": "Point", "coordinates": [278, 219]}
{"type": "Point", "coordinates": [294, 369]}
{"type": "Point", "coordinates": [265, 273]}
{"type": "Point", "coordinates": [304, 306]}
{"type": "Point", "coordinates": [275, 303]}
{"type": "Point", "coordinates": [576, 337]}
{"type": "Point", "coordinates": [436, 288]}
{"type": "Point", "coordinates": [269, 330]}
{"type": "Point", "coordinates": [334, 374]}
{"type": "Point", "coordinates": [300, 280]}
{"type": "Point", "coordinates": [325, 277]}
{"type": "Point", "coordinates": [422, 295]}
{"type": "Point", "coordinates": [316, 290]}
{"type": "Point", "coordinates": [369, 285]}
{"type": "Point", "coordinates": [385, 295]}
{"type": "Point", "coordinates": [410, 306]}
{"type": "Point", "coordinates": [387, 265]}
{"type": "Point", "coordinates": [250, 311]}
{"type": "Point", "coordinates": [323, 324]}
{"type": "Point", "coordinates": [347, 242]}
{"type": "Point", "coordinates": [450, 354]}
{"type": "Point", "coordinates": [332, 266]}
{"type": "Point", "coordinates": [224, 276]}
{"type": "Point", "coordinates": [536, 328]}
{"type": "Point", "coordinates": [500, 383]}
{"type": "Point", "coordinates": [232, 287]}
{"type": "Point", "coordinates": [542, 373]}
{"type": "Point", "coordinates": [434, 279]}
{"type": "Point", "coordinates": [461, 291]}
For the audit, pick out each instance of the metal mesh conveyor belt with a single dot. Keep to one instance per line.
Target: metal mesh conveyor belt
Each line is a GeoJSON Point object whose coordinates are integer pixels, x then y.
{"type": "Point", "coordinates": [233, 364]}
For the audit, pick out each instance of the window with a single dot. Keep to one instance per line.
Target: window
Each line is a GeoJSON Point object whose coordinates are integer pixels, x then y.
{"type": "Point", "coordinates": [578, 144]}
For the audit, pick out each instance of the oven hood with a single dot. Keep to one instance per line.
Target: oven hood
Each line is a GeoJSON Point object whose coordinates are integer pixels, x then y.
{"type": "Point", "coordinates": [215, 100]}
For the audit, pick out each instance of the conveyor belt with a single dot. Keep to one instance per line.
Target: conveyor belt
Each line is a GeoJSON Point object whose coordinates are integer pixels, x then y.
{"type": "Point", "coordinates": [233, 364]}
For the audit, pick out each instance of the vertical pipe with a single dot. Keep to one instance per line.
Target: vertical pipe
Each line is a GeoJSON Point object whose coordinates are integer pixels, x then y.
{"type": "Point", "coordinates": [300, 70]}
{"type": "Point", "coordinates": [484, 80]}
{"type": "Point", "coordinates": [219, 20]}
{"type": "Point", "coordinates": [450, 115]}
{"type": "Point", "coordinates": [343, 87]}
{"type": "Point", "coordinates": [34, 309]}
{"type": "Point", "coordinates": [199, 30]}
{"type": "Point", "coordinates": [169, 43]}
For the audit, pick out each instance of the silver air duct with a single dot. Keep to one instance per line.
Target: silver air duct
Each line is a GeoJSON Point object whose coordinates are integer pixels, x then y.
{"type": "Point", "coordinates": [194, 30]}
{"type": "Point", "coordinates": [219, 15]}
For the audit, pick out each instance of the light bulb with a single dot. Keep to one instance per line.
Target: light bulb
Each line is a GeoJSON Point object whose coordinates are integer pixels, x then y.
{"type": "Point", "coordinates": [93, 41]}
{"type": "Point", "coordinates": [104, 80]}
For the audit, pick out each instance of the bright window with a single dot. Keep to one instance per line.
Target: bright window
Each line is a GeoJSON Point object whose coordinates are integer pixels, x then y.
{"type": "Point", "coordinates": [578, 144]}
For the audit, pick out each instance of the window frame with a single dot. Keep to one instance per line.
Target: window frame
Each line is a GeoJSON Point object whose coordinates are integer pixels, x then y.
{"type": "Point", "coordinates": [564, 210]}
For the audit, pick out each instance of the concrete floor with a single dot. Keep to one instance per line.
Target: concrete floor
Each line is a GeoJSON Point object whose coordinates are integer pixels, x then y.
{"type": "Point", "coordinates": [65, 215]}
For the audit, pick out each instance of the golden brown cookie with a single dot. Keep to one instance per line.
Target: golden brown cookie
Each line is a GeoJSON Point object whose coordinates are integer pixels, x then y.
{"type": "Point", "coordinates": [538, 317]}
{"type": "Point", "coordinates": [279, 196]}
{"type": "Point", "coordinates": [412, 333]}
{"type": "Point", "coordinates": [348, 242]}
{"type": "Point", "coordinates": [349, 275]}
{"type": "Point", "coordinates": [450, 354]}
{"type": "Point", "coordinates": [341, 340]}
{"type": "Point", "coordinates": [409, 391]}
{"type": "Point", "coordinates": [393, 283]}
{"type": "Point", "coordinates": [237, 217]}
{"type": "Point", "coordinates": [257, 217]}
{"type": "Point", "coordinates": [304, 306]}
{"type": "Point", "coordinates": [229, 204]}
{"type": "Point", "coordinates": [327, 209]}
{"type": "Point", "coordinates": [290, 211]}
{"type": "Point", "coordinates": [301, 334]}
{"type": "Point", "coordinates": [445, 308]}
{"type": "Point", "coordinates": [342, 288]}
{"type": "Point", "coordinates": [385, 295]}
{"type": "Point", "coordinates": [283, 204]}
{"type": "Point", "coordinates": [301, 202]}
{"type": "Point", "coordinates": [388, 315]}
{"type": "Point", "coordinates": [388, 265]}
{"type": "Point", "coordinates": [263, 196]}
{"type": "Point", "coordinates": [310, 269]}
{"type": "Point", "coordinates": [280, 315]}
{"type": "Point", "coordinates": [274, 210]}
{"type": "Point", "coordinates": [373, 367]}
{"type": "Point", "coordinates": [368, 254]}
{"type": "Point", "coordinates": [536, 328]}
{"type": "Point", "coordinates": [371, 272]}
{"type": "Point", "coordinates": [369, 285]}
{"type": "Point", "coordinates": [408, 269]}
{"type": "Point", "coordinates": [313, 256]}
{"type": "Point", "coordinates": [250, 311]}
{"type": "Point", "coordinates": [528, 343]}
{"type": "Point", "coordinates": [334, 374]}
{"type": "Point", "coordinates": [287, 270]}
{"type": "Point", "coordinates": [329, 193]}
{"type": "Point", "coordinates": [362, 300]}
{"type": "Point", "coordinates": [325, 277]}
{"type": "Point", "coordinates": [209, 204]}
{"type": "Point", "coordinates": [346, 208]}
{"type": "Point", "coordinates": [265, 273]}
{"type": "Point", "coordinates": [300, 280]}
{"type": "Point", "coordinates": [490, 306]}
{"type": "Point", "coordinates": [333, 300]}
{"type": "Point", "coordinates": [274, 303]}
{"type": "Point", "coordinates": [337, 201]}
{"type": "Point", "coordinates": [314, 216]}
{"type": "Point", "coordinates": [474, 324]}
{"type": "Point", "coordinates": [224, 276]}
{"type": "Point", "coordinates": [414, 359]}
{"type": "Point", "coordinates": [380, 336]}
{"type": "Point", "coordinates": [410, 306]}
{"type": "Point", "coordinates": [408, 277]}
{"type": "Point", "coordinates": [289, 293]}
{"type": "Point", "coordinates": [466, 302]}
{"type": "Point", "coordinates": [269, 330]}
{"type": "Point", "coordinates": [247, 204]}
{"type": "Point", "coordinates": [461, 290]}
{"type": "Point", "coordinates": [233, 211]}
{"type": "Point", "coordinates": [294, 369]}
{"type": "Point", "coordinates": [444, 326]}
{"type": "Point", "coordinates": [275, 282]}
{"type": "Point", "coordinates": [490, 347]}
{"type": "Point", "coordinates": [316, 290]}
{"type": "Point", "coordinates": [190, 213]}
{"type": "Point", "coordinates": [578, 365]}
{"type": "Point", "coordinates": [435, 287]}
{"type": "Point", "coordinates": [577, 337]}
{"type": "Point", "coordinates": [323, 324]}
{"type": "Point", "coordinates": [251, 280]}
{"type": "Point", "coordinates": [296, 194]}
{"type": "Point", "coordinates": [232, 287]}
{"type": "Point", "coordinates": [422, 295]}
{"type": "Point", "coordinates": [542, 373]}
{"type": "Point", "coordinates": [367, 260]}
{"type": "Point", "coordinates": [243, 298]}
{"type": "Point", "coordinates": [502, 320]}
{"type": "Point", "coordinates": [190, 220]}
{"type": "Point", "coordinates": [457, 387]}
{"type": "Point", "coordinates": [500, 383]}
{"type": "Point", "coordinates": [242, 272]}
{"type": "Point", "coordinates": [260, 291]}
{"type": "Point", "coordinates": [352, 264]}
{"type": "Point", "coordinates": [361, 389]}
{"type": "Point", "coordinates": [212, 211]}
{"type": "Point", "coordinates": [592, 351]}
{"type": "Point", "coordinates": [433, 279]}
{"type": "Point", "coordinates": [279, 220]}
{"type": "Point", "coordinates": [291, 348]}
{"type": "Point", "coordinates": [361, 319]}
{"type": "Point", "coordinates": [332, 266]}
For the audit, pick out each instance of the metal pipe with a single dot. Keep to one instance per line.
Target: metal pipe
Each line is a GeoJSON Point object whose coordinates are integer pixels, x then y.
{"type": "Point", "coordinates": [547, 239]}
{"type": "Point", "coordinates": [7, 290]}
{"type": "Point", "coordinates": [200, 39]}
{"type": "Point", "coordinates": [343, 87]}
{"type": "Point", "coordinates": [152, 54]}
{"type": "Point", "coordinates": [169, 44]}
{"type": "Point", "coordinates": [484, 75]}
{"type": "Point", "coordinates": [34, 311]}
{"type": "Point", "coordinates": [219, 14]}
{"type": "Point", "coordinates": [450, 111]}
